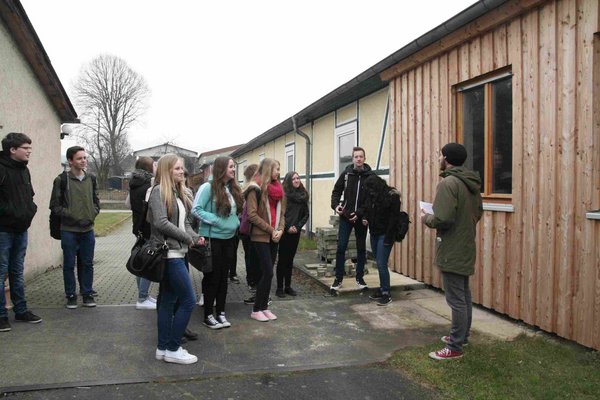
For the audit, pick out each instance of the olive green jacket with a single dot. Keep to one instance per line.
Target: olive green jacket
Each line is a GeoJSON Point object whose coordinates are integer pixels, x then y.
{"type": "Point", "coordinates": [457, 209]}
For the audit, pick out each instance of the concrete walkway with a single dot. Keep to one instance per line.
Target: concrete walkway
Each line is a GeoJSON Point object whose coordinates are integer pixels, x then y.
{"type": "Point", "coordinates": [113, 344]}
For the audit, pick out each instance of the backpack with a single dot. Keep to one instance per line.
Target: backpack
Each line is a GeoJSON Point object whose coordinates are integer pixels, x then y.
{"type": "Point", "coordinates": [54, 221]}
{"type": "Point", "coordinates": [403, 223]}
{"type": "Point", "coordinates": [402, 229]}
{"type": "Point", "coordinates": [245, 224]}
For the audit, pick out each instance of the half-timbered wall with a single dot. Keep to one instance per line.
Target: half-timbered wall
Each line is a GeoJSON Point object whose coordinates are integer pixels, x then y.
{"type": "Point", "coordinates": [539, 263]}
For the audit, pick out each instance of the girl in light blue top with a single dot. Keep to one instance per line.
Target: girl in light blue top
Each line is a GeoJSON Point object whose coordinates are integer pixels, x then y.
{"type": "Point", "coordinates": [216, 204]}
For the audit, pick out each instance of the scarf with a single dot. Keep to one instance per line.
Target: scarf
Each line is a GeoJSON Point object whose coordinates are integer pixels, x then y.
{"type": "Point", "coordinates": [275, 195]}
{"type": "Point", "coordinates": [297, 196]}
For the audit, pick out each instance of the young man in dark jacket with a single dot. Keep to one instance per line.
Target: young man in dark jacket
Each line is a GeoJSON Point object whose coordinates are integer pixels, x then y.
{"type": "Point", "coordinates": [457, 209]}
{"type": "Point", "coordinates": [78, 210]}
{"type": "Point", "coordinates": [347, 199]}
{"type": "Point", "coordinates": [17, 210]}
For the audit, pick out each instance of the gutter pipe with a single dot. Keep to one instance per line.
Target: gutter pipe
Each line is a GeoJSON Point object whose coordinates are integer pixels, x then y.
{"type": "Point", "coordinates": [307, 169]}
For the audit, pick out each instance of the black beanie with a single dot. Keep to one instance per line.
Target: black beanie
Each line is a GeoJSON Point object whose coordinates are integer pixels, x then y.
{"type": "Point", "coordinates": [455, 153]}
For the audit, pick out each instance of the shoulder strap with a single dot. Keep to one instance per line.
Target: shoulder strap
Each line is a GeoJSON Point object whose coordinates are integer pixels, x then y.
{"type": "Point", "coordinates": [95, 198]}
{"type": "Point", "coordinates": [64, 181]}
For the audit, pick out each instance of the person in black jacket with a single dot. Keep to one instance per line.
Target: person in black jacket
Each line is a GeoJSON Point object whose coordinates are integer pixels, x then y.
{"type": "Point", "coordinates": [382, 215]}
{"type": "Point", "coordinates": [296, 215]}
{"type": "Point", "coordinates": [347, 199]}
{"type": "Point", "coordinates": [17, 210]}
{"type": "Point", "coordinates": [138, 186]}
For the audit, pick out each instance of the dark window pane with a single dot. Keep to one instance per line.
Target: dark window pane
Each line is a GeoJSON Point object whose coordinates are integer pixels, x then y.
{"type": "Point", "coordinates": [502, 136]}
{"type": "Point", "coordinates": [474, 129]}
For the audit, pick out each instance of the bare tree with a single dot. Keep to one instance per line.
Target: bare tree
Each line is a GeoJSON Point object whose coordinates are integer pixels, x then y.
{"type": "Point", "coordinates": [111, 98]}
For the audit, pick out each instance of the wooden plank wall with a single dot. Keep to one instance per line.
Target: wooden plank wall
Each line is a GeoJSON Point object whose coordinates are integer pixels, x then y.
{"type": "Point", "coordinates": [541, 263]}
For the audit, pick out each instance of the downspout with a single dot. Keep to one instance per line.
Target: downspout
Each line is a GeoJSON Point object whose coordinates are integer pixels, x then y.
{"type": "Point", "coordinates": [308, 171]}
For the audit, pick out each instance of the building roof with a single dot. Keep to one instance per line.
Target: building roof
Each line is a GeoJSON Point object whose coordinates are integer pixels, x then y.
{"type": "Point", "coordinates": [19, 27]}
{"type": "Point", "coordinates": [166, 147]}
{"type": "Point", "coordinates": [220, 151]}
{"type": "Point", "coordinates": [368, 81]}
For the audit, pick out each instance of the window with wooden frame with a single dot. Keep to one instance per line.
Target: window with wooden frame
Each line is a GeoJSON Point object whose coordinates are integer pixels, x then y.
{"type": "Point", "coordinates": [484, 119]}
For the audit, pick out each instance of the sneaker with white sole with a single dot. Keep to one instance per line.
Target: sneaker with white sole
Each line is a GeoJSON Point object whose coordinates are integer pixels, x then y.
{"type": "Point", "coordinates": [152, 299]}
{"type": "Point", "coordinates": [336, 285]}
{"type": "Point", "coordinates": [181, 356]}
{"type": "Point", "coordinates": [29, 317]}
{"type": "Point", "coordinates": [270, 315]}
{"type": "Point", "coordinates": [384, 300]}
{"type": "Point", "coordinates": [160, 354]}
{"type": "Point", "coordinates": [212, 323]}
{"type": "Point", "coordinates": [445, 354]}
{"type": "Point", "coordinates": [223, 321]}
{"type": "Point", "coordinates": [446, 340]}
{"type": "Point", "coordinates": [145, 305]}
{"type": "Point", "coordinates": [259, 316]}
{"type": "Point", "coordinates": [360, 282]}
{"type": "Point", "coordinates": [4, 324]}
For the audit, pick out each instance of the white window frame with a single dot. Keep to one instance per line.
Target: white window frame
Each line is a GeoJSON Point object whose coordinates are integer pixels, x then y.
{"type": "Point", "coordinates": [290, 150]}
{"type": "Point", "coordinates": [261, 157]}
{"type": "Point", "coordinates": [241, 167]}
{"type": "Point", "coordinates": [346, 129]}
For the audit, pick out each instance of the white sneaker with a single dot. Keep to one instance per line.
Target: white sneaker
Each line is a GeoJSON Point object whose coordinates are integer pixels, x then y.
{"type": "Point", "coordinates": [160, 354]}
{"type": "Point", "coordinates": [145, 305]}
{"type": "Point", "coordinates": [201, 300]}
{"type": "Point", "coordinates": [223, 321]}
{"type": "Point", "coordinates": [181, 356]}
{"type": "Point", "coordinates": [152, 299]}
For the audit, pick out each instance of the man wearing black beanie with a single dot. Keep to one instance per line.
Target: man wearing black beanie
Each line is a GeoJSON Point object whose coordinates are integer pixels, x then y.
{"type": "Point", "coordinates": [457, 209]}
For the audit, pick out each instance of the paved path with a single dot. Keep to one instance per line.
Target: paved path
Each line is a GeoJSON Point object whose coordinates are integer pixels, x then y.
{"type": "Point", "coordinates": [319, 347]}
{"type": "Point", "coordinates": [116, 286]}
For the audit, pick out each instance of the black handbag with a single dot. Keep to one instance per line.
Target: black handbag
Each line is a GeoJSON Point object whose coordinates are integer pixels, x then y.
{"type": "Point", "coordinates": [147, 259]}
{"type": "Point", "coordinates": [200, 257]}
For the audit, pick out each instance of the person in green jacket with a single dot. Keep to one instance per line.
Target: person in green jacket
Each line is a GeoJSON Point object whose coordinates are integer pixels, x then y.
{"type": "Point", "coordinates": [457, 209]}
{"type": "Point", "coordinates": [78, 208]}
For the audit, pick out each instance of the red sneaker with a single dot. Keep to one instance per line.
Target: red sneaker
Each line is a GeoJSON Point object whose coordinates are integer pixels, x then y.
{"type": "Point", "coordinates": [446, 340]}
{"type": "Point", "coordinates": [445, 354]}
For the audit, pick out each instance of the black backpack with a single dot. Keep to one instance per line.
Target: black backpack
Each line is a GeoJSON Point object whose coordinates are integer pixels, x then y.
{"type": "Point", "coordinates": [403, 223]}
{"type": "Point", "coordinates": [402, 229]}
{"type": "Point", "coordinates": [55, 218]}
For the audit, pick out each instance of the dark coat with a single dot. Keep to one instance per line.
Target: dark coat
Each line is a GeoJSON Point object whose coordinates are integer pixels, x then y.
{"type": "Point", "coordinates": [296, 209]}
{"type": "Point", "coordinates": [383, 214]}
{"type": "Point", "coordinates": [17, 208]}
{"type": "Point", "coordinates": [138, 186]}
{"type": "Point", "coordinates": [354, 196]}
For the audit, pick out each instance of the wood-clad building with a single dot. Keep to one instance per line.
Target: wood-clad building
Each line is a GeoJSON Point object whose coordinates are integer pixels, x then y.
{"type": "Point", "coordinates": [519, 87]}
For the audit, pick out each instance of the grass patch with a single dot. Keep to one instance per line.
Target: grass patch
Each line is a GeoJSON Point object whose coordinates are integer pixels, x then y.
{"type": "Point", "coordinates": [526, 368]}
{"type": "Point", "coordinates": [307, 243]}
{"type": "Point", "coordinates": [107, 221]}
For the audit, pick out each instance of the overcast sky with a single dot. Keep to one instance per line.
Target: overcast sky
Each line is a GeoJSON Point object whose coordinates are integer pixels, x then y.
{"type": "Point", "coordinates": [223, 72]}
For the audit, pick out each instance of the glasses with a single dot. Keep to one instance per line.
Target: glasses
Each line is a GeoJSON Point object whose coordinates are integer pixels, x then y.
{"type": "Point", "coordinates": [26, 148]}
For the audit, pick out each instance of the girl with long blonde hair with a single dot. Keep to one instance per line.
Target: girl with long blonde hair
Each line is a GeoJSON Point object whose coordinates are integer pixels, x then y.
{"type": "Point", "coordinates": [266, 213]}
{"type": "Point", "coordinates": [170, 222]}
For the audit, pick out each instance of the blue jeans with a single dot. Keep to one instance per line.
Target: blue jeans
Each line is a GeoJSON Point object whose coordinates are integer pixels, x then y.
{"type": "Point", "coordinates": [76, 244]}
{"type": "Point", "coordinates": [360, 232]}
{"type": "Point", "coordinates": [143, 285]}
{"type": "Point", "coordinates": [382, 255]}
{"type": "Point", "coordinates": [12, 254]}
{"type": "Point", "coordinates": [176, 287]}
